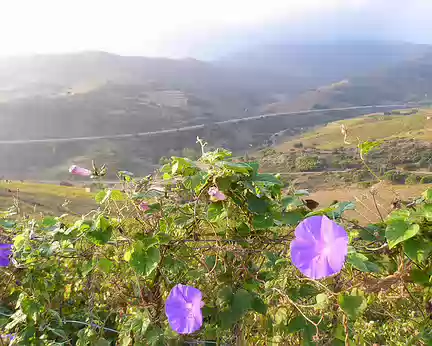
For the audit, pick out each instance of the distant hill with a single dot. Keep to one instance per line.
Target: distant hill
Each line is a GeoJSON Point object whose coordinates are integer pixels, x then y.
{"type": "Point", "coordinates": [406, 81]}
{"type": "Point", "coordinates": [325, 63]}
{"type": "Point", "coordinates": [99, 94]}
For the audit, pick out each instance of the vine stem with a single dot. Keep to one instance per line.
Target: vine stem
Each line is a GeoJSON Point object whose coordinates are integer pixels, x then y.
{"type": "Point", "coordinates": [92, 325]}
{"type": "Point", "coordinates": [345, 324]}
{"type": "Point", "coordinates": [376, 206]}
{"type": "Point", "coordinates": [299, 310]}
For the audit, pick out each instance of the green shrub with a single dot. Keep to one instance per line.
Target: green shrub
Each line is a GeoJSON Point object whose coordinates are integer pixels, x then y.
{"type": "Point", "coordinates": [308, 163]}
{"type": "Point", "coordinates": [366, 184]}
{"type": "Point", "coordinates": [427, 179]}
{"type": "Point", "coordinates": [412, 179]}
{"type": "Point", "coordinates": [225, 229]}
{"type": "Point", "coordinates": [396, 177]}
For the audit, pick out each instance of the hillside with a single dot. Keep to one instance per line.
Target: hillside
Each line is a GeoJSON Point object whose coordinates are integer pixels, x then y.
{"type": "Point", "coordinates": [406, 81]}
{"type": "Point", "coordinates": [100, 94]}
{"type": "Point", "coordinates": [322, 159]}
{"type": "Point", "coordinates": [325, 63]}
{"type": "Point", "coordinates": [371, 127]}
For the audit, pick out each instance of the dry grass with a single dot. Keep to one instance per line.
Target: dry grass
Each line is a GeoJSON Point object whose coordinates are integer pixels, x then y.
{"type": "Point", "coordinates": [48, 199]}
{"type": "Point", "coordinates": [370, 127]}
{"type": "Point", "coordinates": [366, 211]}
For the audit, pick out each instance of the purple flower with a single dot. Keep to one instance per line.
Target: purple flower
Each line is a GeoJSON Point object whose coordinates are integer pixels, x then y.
{"type": "Point", "coordinates": [6, 339]}
{"type": "Point", "coordinates": [9, 337]}
{"type": "Point", "coordinates": [319, 248]}
{"type": "Point", "coordinates": [183, 309]}
{"type": "Point", "coordinates": [5, 253]}
{"type": "Point", "coordinates": [144, 206]}
{"type": "Point", "coordinates": [215, 194]}
{"type": "Point", "coordinates": [83, 172]}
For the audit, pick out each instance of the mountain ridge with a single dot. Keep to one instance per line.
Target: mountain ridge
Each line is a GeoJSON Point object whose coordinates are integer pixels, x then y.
{"type": "Point", "coordinates": [97, 94]}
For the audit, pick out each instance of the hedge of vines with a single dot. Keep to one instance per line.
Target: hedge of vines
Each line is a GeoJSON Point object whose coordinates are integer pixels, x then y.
{"type": "Point", "coordinates": [212, 252]}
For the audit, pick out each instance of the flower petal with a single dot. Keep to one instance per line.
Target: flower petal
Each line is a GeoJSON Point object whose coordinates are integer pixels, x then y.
{"type": "Point", "coordinates": [76, 170]}
{"type": "Point", "coordinates": [337, 255]}
{"type": "Point", "coordinates": [309, 228]}
{"type": "Point", "coordinates": [330, 230]}
{"type": "Point", "coordinates": [4, 262]}
{"type": "Point", "coordinates": [320, 247]}
{"type": "Point", "coordinates": [183, 309]}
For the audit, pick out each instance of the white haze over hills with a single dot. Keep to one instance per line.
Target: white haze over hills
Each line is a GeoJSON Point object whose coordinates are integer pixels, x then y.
{"type": "Point", "coordinates": [81, 68]}
{"type": "Point", "coordinates": [202, 29]}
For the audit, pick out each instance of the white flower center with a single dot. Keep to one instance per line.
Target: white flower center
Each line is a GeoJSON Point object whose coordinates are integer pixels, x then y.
{"type": "Point", "coordinates": [326, 250]}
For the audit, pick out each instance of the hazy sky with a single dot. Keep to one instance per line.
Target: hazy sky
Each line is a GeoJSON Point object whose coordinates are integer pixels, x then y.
{"type": "Point", "coordinates": [200, 27]}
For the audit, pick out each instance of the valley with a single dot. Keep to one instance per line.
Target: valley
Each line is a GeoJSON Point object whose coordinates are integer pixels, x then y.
{"type": "Point", "coordinates": [112, 97]}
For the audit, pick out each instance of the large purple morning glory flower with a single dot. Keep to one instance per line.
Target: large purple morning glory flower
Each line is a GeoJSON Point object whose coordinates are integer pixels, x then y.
{"type": "Point", "coordinates": [183, 309]}
{"type": "Point", "coordinates": [5, 252]}
{"type": "Point", "coordinates": [319, 248]}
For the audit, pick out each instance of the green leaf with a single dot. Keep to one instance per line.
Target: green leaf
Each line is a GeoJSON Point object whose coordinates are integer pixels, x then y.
{"type": "Point", "coordinates": [427, 195]}
{"type": "Point", "coordinates": [398, 231]}
{"type": "Point", "coordinates": [224, 183]}
{"type": "Point", "coordinates": [339, 208]}
{"type": "Point", "coordinates": [225, 295]}
{"type": "Point", "coordinates": [216, 212]}
{"type": "Point", "coordinates": [101, 231]}
{"type": "Point", "coordinates": [257, 205]}
{"type": "Point", "coordinates": [163, 238]}
{"type": "Point", "coordinates": [258, 305]}
{"type": "Point", "coordinates": [237, 167]}
{"type": "Point", "coordinates": [117, 195]}
{"type": "Point", "coordinates": [301, 193]}
{"type": "Point", "coordinates": [19, 241]}
{"type": "Point", "coordinates": [125, 340]}
{"type": "Point", "coordinates": [243, 229]}
{"type": "Point", "coordinates": [49, 222]}
{"type": "Point", "coordinates": [263, 221]}
{"type": "Point", "coordinates": [7, 224]}
{"type": "Point", "coordinates": [291, 203]}
{"type": "Point", "coordinates": [154, 337]}
{"type": "Point", "coordinates": [139, 324]}
{"type": "Point", "coordinates": [362, 263]}
{"type": "Point", "coordinates": [322, 301]}
{"type": "Point", "coordinates": [353, 305]}
{"type": "Point", "coordinates": [367, 146]}
{"type": "Point", "coordinates": [241, 303]}
{"type": "Point", "coordinates": [296, 324]}
{"type": "Point", "coordinates": [427, 209]}
{"type": "Point", "coordinates": [281, 315]}
{"type": "Point", "coordinates": [105, 265]}
{"type": "Point", "coordinates": [290, 218]}
{"type": "Point", "coordinates": [268, 178]}
{"type": "Point", "coordinates": [102, 196]}
{"type": "Point", "coordinates": [210, 261]}
{"type": "Point", "coordinates": [420, 277]}
{"type": "Point", "coordinates": [102, 342]}
{"type": "Point", "coordinates": [148, 242]}
{"type": "Point", "coordinates": [401, 214]}
{"type": "Point", "coordinates": [417, 249]}
{"type": "Point", "coordinates": [144, 261]}
{"type": "Point", "coordinates": [87, 267]}
{"type": "Point", "coordinates": [372, 233]}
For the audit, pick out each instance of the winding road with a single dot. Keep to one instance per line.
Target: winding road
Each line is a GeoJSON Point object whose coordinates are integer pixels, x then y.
{"type": "Point", "coordinates": [200, 126]}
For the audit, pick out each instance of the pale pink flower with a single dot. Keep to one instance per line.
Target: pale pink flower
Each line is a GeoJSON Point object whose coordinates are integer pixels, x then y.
{"type": "Point", "coordinates": [216, 195]}
{"type": "Point", "coordinates": [144, 206]}
{"type": "Point", "coordinates": [83, 172]}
